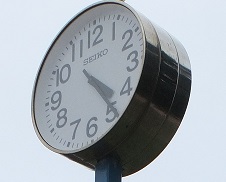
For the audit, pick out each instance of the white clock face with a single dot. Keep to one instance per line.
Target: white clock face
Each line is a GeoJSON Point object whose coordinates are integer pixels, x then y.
{"type": "Point", "coordinates": [88, 77]}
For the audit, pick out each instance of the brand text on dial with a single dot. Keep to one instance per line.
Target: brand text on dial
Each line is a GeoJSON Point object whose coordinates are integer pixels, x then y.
{"type": "Point", "coordinates": [95, 57]}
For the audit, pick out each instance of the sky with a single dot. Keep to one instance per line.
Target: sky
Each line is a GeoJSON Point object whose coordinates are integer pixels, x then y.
{"type": "Point", "coordinates": [198, 150]}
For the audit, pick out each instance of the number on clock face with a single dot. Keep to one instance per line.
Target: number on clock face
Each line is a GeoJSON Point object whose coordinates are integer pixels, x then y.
{"type": "Point", "coordinates": [89, 78]}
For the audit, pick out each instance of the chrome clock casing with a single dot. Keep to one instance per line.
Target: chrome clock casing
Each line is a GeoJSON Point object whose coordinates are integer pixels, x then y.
{"type": "Point", "coordinates": [156, 109]}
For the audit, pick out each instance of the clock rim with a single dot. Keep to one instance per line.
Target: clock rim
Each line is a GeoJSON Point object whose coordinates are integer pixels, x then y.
{"type": "Point", "coordinates": [94, 5]}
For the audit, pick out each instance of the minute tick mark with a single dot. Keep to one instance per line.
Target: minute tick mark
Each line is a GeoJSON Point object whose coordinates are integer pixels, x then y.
{"type": "Point", "coordinates": [138, 34]}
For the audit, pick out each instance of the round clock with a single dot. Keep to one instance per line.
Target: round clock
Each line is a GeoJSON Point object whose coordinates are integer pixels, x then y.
{"type": "Point", "coordinates": [111, 84]}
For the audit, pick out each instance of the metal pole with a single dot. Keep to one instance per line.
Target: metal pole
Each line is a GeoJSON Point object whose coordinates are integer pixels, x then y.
{"type": "Point", "coordinates": [108, 170]}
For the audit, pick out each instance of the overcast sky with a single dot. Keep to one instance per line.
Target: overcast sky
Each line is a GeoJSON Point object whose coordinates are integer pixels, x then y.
{"type": "Point", "coordinates": [197, 153]}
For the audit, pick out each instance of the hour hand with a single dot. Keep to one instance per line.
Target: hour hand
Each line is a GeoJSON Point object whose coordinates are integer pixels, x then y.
{"type": "Point", "coordinates": [108, 92]}
{"type": "Point", "coordinates": [104, 91]}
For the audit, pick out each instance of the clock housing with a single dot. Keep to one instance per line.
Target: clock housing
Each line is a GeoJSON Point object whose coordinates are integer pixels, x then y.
{"type": "Point", "coordinates": [112, 84]}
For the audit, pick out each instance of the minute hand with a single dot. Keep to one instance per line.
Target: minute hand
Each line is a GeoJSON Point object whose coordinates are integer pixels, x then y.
{"type": "Point", "coordinates": [91, 81]}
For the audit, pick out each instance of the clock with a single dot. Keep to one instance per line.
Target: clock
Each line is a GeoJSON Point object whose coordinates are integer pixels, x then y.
{"type": "Point", "coordinates": [111, 84]}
